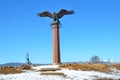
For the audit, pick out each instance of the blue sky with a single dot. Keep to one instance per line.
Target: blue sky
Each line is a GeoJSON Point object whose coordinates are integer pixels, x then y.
{"type": "Point", "coordinates": [94, 29]}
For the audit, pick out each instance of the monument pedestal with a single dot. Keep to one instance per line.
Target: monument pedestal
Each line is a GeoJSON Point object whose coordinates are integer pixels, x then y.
{"type": "Point", "coordinates": [56, 43]}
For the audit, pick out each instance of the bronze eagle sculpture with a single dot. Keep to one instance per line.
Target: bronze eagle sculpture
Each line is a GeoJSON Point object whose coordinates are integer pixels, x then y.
{"type": "Point", "coordinates": [56, 16]}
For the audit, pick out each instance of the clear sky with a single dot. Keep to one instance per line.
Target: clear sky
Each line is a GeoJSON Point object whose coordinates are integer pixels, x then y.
{"type": "Point", "coordinates": [94, 29]}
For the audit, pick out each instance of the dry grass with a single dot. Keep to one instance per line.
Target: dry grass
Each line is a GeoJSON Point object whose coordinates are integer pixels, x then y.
{"type": "Point", "coordinates": [49, 69]}
{"type": "Point", "coordinates": [88, 67]}
{"type": "Point", "coordinates": [25, 67]}
{"type": "Point", "coordinates": [9, 70]}
{"type": "Point", "coordinates": [117, 66]}
{"type": "Point", "coordinates": [13, 70]}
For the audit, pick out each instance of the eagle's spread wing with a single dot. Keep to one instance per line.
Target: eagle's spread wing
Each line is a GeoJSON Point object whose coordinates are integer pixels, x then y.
{"type": "Point", "coordinates": [45, 14]}
{"type": "Point", "coordinates": [64, 12]}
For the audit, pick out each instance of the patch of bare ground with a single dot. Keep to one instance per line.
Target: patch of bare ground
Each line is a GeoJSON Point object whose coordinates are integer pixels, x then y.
{"type": "Point", "coordinates": [105, 79]}
{"type": "Point", "coordinates": [87, 67]}
{"type": "Point", "coordinates": [97, 78]}
{"type": "Point", "coordinates": [13, 70]}
{"type": "Point", "coordinates": [49, 69]}
{"type": "Point", "coordinates": [53, 73]}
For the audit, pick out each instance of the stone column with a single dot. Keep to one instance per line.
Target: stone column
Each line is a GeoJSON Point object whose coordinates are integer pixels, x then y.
{"type": "Point", "coordinates": [56, 43]}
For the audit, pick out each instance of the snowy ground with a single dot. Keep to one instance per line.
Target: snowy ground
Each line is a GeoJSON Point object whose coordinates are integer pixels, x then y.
{"type": "Point", "coordinates": [70, 75]}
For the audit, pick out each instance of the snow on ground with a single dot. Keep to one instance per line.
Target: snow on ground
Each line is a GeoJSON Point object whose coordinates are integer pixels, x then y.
{"type": "Point", "coordinates": [115, 71]}
{"type": "Point", "coordinates": [45, 66]}
{"type": "Point", "coordinates": [30, 76]}
{"type": "Point", "coordinates": [70, 75]}
{"type": "Point", "coordinates": [89, 75]}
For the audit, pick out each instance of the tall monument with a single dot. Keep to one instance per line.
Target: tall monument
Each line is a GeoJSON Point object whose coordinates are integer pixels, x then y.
{"type": "Point", "coordinates": [55, 30]}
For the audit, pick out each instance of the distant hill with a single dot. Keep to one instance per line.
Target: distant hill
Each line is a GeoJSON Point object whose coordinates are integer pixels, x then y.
{"type": "Point", "coordinates": [11, 64]}
{"type": "Point", "coordinates": [19, 64]}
